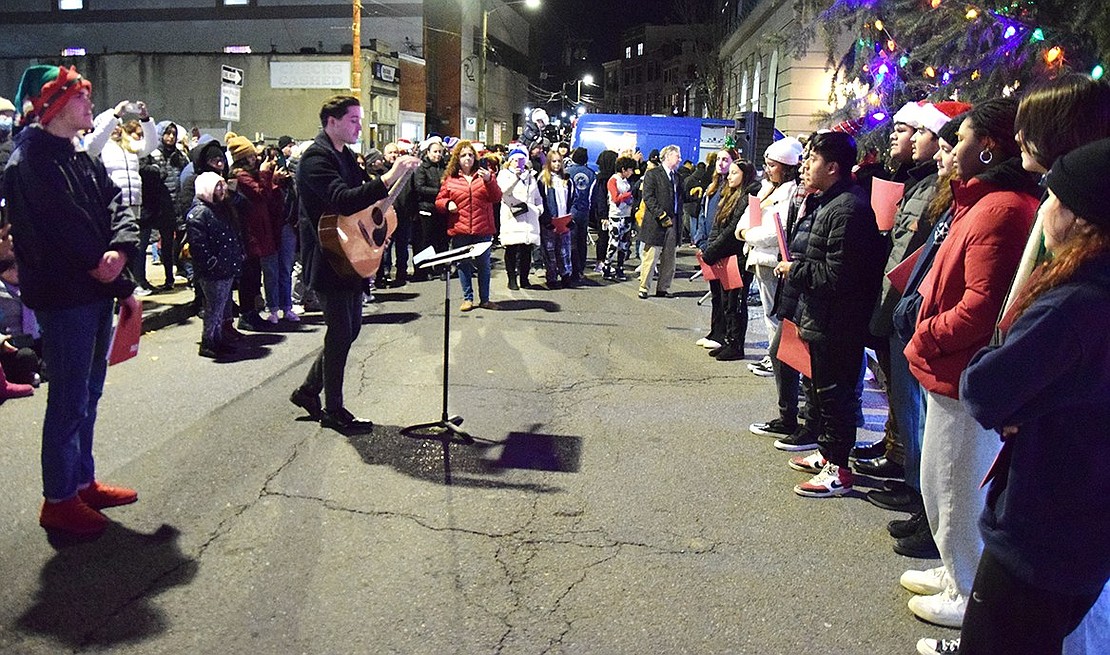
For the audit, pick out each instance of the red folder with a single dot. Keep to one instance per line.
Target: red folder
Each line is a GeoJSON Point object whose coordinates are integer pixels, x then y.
{"type": "Point", "coordinates": [707, 271]}
{"type": "Point", "coordinates": [726, 271]}
{"type": "Point", "coordinates": [755, 213]}
{"type": "Point", "coordinates": [561, 224]}
{"type": "Point", "coordinates": [885, 196]}
{"type": "Point", "coordinates": [793, 351]}
{"type": "Point", "coordinates": [125, 337]}
{"type": "Point", "coordinates": [784, 247]}
{"type": "Point", "coordinates": [899, 276]}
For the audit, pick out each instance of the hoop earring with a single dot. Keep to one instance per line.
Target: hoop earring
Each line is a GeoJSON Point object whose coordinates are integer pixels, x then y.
{"type": "Point", "coordinates": [988, 158]}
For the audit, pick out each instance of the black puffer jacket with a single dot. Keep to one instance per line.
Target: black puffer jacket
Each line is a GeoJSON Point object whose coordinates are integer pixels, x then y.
{"type": "Point", "coordinates": [214, 240]}
{"type": "Point", "coordinates": [840, 272]}
{"type": "Point", "coordinates": [65, 213]}
{"type": "Point", "coordinates": [426, 182]}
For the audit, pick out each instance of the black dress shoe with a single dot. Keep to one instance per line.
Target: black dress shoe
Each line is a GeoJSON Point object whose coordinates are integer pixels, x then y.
{"type": "Point", "coordinates": [920, 544]}
{"type": "Point", "coordinates": [342, 420]}
{"type": "Point", "coordinates": [904, 528]}
{"type": "Point", "coordinates": [880, 468]}
{"type": "Point", "coordinates": [729, 353]}
{"type": "Point", "coordinates": [308, 402]}
{"type": "Point", "coordinates": [900, 497]}
{"type": "Point", "coordinates": [664, 294]}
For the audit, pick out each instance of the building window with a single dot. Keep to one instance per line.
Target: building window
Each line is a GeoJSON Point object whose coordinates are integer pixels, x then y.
{"type": "Point", "coordinates": [639, 49]}
{"type": "Point", "coordinates": [237, 3]}
{"type": "Point", "coordinates": [66, 5]}
{"type": "Point", "coordinates": [628, 52]}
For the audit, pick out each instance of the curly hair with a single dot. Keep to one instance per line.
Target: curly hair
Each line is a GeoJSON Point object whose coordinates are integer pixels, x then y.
{"type": "Point", "coordinates": [453, 163]}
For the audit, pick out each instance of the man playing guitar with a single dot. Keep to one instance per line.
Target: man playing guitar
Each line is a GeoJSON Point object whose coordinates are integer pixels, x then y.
{"type": "Point", "coordinates": [330, 181]}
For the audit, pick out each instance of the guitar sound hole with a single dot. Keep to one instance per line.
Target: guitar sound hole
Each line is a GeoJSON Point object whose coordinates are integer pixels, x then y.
{"type": "Point", "coordinates": [379, 233]}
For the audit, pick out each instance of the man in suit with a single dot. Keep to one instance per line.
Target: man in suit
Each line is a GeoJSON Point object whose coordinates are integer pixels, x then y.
{"type": "Point", "coordinates": [662, 222]}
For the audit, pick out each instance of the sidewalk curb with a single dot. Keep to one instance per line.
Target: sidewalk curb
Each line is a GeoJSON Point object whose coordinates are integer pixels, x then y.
{"type": "Point", "coordinates": [163, 316]}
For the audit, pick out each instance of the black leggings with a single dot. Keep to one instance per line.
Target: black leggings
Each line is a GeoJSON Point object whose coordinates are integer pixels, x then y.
{"type": "Point", "coordinates": [1007, 615]}
{"type": "Point", "coordinates": [518, 260]}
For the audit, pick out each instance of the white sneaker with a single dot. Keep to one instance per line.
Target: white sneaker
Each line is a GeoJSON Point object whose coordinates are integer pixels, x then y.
{"type": "Point", "coordinates": [946, 608]}
{"type": "Point", "coordinates": [763, 368]}
{"type": "Point", "coordinates": [938, 646]}
{"type": "Point", "coordinates": [291, 316]}
{"type": "Point", "coordinates": [809, 464]}
{"type": "Point", "coordinates": [708, 343]}
{"type": "Point", "coordinates": [926, 583]}
{"type": "Point", "coordinates": [273, 317]}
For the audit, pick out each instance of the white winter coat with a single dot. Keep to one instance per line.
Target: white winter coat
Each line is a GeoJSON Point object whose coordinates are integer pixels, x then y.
{"type": "Point", "coordinates": [762, 243]}
{"type": "Point", "coordinates": [122, 163]}
{"type": "Point", "coordinates": [517, 191]}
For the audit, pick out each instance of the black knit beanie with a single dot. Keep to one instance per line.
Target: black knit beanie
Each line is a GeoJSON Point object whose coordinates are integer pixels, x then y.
{"type": "Point", "coordinates": [1076, 177]}
{"type": "Point", "coordinates": [948, 132]}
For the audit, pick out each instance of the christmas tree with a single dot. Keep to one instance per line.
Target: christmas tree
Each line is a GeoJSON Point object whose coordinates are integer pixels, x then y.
{"type": "Point", "coordinates": [907, 50]}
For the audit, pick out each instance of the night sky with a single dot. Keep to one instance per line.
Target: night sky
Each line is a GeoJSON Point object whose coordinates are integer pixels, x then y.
{"type": "Point", "coordinates": [601, 20]}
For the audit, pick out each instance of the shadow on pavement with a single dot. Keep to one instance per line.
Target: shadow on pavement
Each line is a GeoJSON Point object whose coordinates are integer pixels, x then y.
{"type": "Point", "coordinates": [523, 305]}
{"type": "Point", "coordinates": [470, 465]}
{"type": "Point", "coordinates": [99, 593]}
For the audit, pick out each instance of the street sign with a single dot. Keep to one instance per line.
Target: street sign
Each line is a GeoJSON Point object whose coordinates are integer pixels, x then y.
{"type": "Point", "coordinates": [229, 102]}
{"type": "Point", "coordinates": [229, 75]}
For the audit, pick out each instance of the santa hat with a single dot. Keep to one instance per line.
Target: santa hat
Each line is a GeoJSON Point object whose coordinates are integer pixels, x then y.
{"type": "Point", "coordinates": [934, 116]}
{"type": "Point", "coordinates": [429, 142]}
{"type": "Point", "coordinates": [404, 145]}
{"type": "Point", "coordinates": [44, 90]}
{"type": "Point", "coordinates": [852, 127]}
{"type": "Point", "coordinates": [479, 147]}
{"type": "Point", "coordinates": [910, 114]}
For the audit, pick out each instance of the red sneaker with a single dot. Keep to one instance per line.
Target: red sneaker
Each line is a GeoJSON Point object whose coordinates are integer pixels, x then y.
{"type": "Point", "coordinates": [99, 496]}
{"type": "Point", "coordinates": [72, 516]}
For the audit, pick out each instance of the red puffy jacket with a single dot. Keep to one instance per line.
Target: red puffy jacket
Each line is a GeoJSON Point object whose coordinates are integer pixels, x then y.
{"type": "Point", "coordinates": [474, 200]}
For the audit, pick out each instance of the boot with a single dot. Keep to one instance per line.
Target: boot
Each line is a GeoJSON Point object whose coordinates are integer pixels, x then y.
{"type": "Point", "coordinates": [11, 389]}
{"type": "Point", "coordinates": [730, 353]}
{"type": "Point", "coordinates": [513, 286]}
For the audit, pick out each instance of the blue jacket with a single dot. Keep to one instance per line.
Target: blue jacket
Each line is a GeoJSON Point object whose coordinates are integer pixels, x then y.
{"type": "Point", "coordinates": [582, 178]}
{"type": "Point", "coordinates": [1047, 516]}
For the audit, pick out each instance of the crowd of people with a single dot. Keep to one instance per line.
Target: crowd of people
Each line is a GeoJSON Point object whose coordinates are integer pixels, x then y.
{"type": "Point", "coordinates": [986, 303]}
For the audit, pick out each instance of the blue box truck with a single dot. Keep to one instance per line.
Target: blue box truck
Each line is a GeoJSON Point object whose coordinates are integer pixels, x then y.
{"type": "Point", "coordinates": [696, 137]}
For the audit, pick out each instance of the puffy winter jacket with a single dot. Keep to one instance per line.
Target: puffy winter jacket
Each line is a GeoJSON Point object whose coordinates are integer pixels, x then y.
{"type": "Point", "coordinates": [963, 293]}
{"type": "Point", "coordinates": [121, 158]}
{"type": "Point", "coordinates": [521, 207]}
{"type": "Point", "coordinates": [474, 199]}
{"type": "Point", "coordinates": [263, 213]}
{"type": "Point", "coordinates": [840, 271]}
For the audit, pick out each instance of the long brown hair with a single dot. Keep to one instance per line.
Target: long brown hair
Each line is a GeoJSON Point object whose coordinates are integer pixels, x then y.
{"type": "Point", "coordinates": [717, 178]}
{"type": "Point", "coordinates": [1086, 243]}
{"type": "Point", "coordinates": [453, 163]}
{"type": "Point", "coordinates": [731, 196]}
{"type": "Point", "coordinates": [941, 201]}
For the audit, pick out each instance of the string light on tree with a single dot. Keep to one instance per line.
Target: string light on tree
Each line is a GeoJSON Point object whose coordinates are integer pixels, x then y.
{"type": "Point", "coordinates": [1097, 72]}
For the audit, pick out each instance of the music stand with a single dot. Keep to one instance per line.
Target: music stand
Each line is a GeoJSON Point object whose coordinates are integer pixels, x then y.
{"type": "Point", "coordinates": [446, 429]}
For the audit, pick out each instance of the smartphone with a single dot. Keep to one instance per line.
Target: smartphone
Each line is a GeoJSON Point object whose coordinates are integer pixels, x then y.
{"type": "Point", "coordinates": [132, 108]}
{"type": "Point", "coordinates": [483, 163]}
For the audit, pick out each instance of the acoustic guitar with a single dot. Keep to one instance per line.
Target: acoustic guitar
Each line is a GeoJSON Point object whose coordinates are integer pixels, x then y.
{"type": "Point", "coordinates": [354, 245]}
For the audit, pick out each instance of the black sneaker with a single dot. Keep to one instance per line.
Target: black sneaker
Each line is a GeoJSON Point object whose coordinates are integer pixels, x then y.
{"type": "Point", "coordinates": [864, 450]}
{"type": "Point", "coordinates": [904, 528]}
{"type": "Point", "coordinates": [920, 544]}
{"type": "Point", "coordinates": [730, 353]}
{"type": "Point", "coordinates": [776, 427]}
{"type": "Point", "coordinates": [308, 402]}
{"type": "Point", "coordinates": [343, 421]}
{"type": "Point", "coordinates": [801, 439]}
{"type": "Point", "coordinates": [879, 468]}
{"type": "Point", "coordinates": [898, 497]}
{"type": "Point", "coordinates": [938, 646]}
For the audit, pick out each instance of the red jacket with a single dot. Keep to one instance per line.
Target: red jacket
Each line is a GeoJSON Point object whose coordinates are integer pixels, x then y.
{"type": "Point", "coordinates": [474, 200]}
{"type": "Point", "coordinates": [963, 293]}
{"type": "Point", "coordinates": [263, 214]}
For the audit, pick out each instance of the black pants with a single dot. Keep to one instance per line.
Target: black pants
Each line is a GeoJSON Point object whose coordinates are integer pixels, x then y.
{"type": "Point", "coordinates": [729, 318]}
{"type": "Point", "coordinates": [836, 368]}
{"type": "Point", "coordinates": [250, 287]}
{"type": "Point", "coordinates": [518, 261]}
{"type": "Point", "coordinates": [788, 383]}
{"type": "Point", "coordinates": [1007, 615]}
{"type": "Point", "coordinates": [343, 320]}
{"type": "Point", "coordinates": [578, 245]}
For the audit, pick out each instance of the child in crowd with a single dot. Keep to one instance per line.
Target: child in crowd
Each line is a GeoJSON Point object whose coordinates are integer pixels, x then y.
{"type": "Point", "coordinates": [217, 258]}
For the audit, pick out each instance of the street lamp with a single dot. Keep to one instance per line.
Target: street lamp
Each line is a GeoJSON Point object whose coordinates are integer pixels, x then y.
{"type": "Point", "coordinates": [530, 4]}
{"type": "Point", "coordinates": [586, 79]}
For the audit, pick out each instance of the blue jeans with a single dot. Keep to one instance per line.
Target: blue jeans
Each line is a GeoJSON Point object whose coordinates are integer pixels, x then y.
{"type": "Point", "coordinates": [75, 348]}
{"type": "Point", "coordinates": [907, 403]}
{"type": "Point", "coordinates": [699, 230]}
{"type": "Point", "coordinates": [277, 272]}
{"type": "Point", "coordinates": [466, 267]}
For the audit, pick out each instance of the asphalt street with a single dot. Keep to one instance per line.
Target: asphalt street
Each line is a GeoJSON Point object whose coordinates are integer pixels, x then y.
{"type": "Point", "coordinates": [615, 502]}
